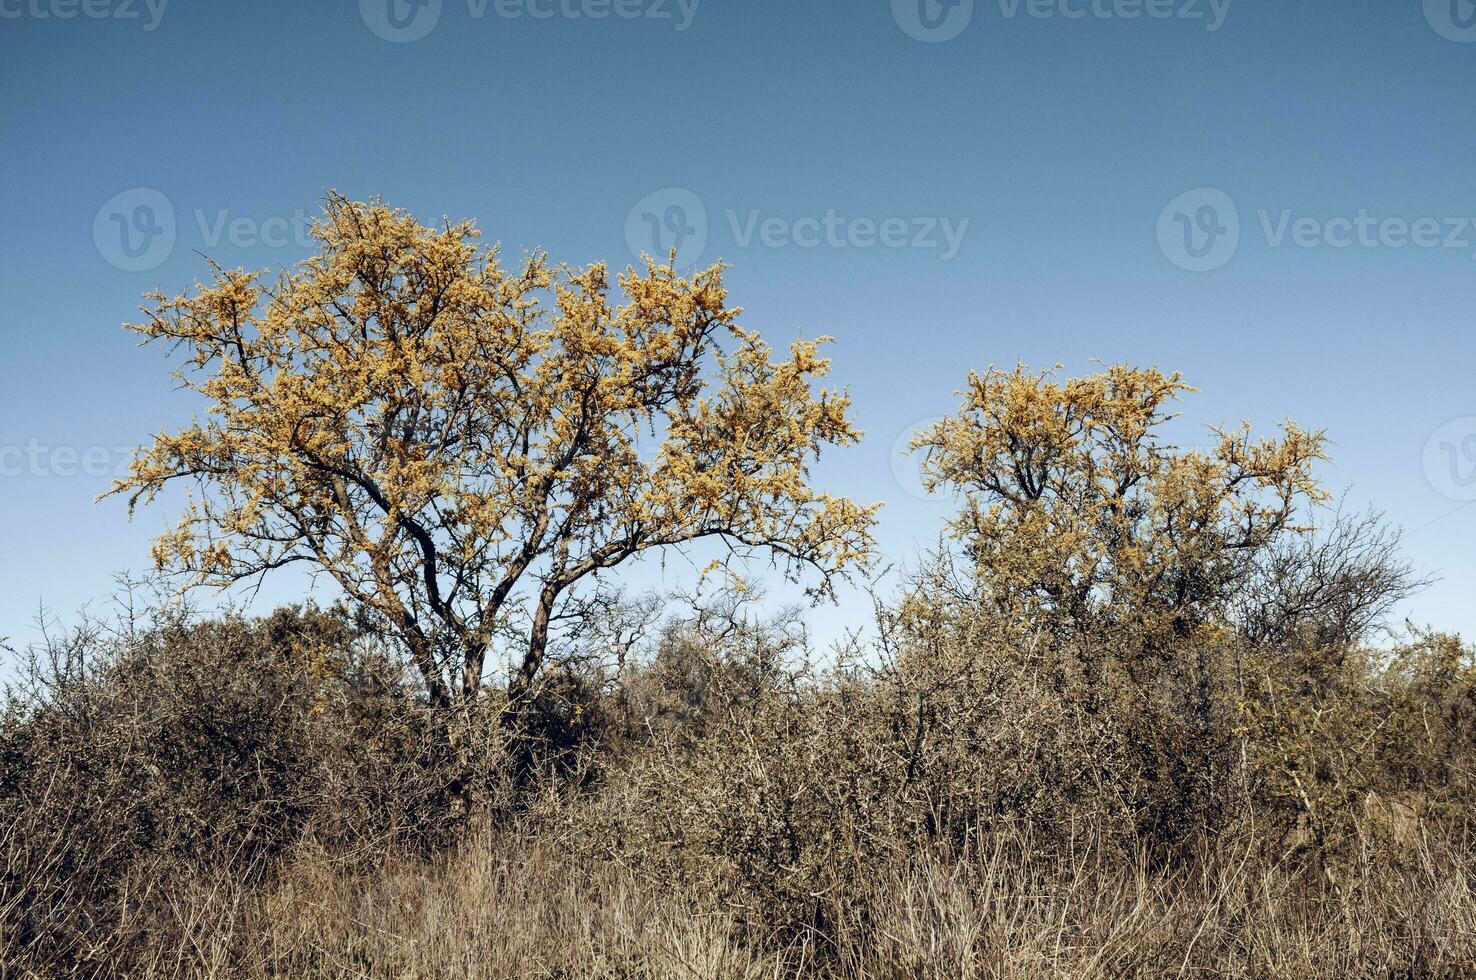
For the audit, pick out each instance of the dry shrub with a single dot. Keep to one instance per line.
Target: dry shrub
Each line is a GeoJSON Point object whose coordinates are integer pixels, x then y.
{"type": "Point", "coordinates": [787, 783]}
{"type": "Point", "coordinates": [129, 753]}
{"type": "Point", "coordinates": [785, 787]}
{"type": "Point", "coordinates": [1348, 743]}
{"type": "Point", "coordinates": [255, 798]}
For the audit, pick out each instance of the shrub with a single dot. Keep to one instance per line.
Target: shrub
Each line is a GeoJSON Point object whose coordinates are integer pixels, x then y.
{"type": "Point", "coordinates": [127, 755]}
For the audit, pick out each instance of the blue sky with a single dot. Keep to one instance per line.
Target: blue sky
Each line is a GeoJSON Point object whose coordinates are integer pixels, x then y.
{"type": "Point", "coordinates": [1274, 198]}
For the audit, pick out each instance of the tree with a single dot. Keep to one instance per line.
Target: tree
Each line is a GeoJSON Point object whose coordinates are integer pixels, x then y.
{"type": "Point", "coordinates": [1327, 591]}
{"type": "Point", "coordinates": [1077, 513]}
{"type": "Point", "coordinates": [1114, 558]}
{"type": "Point", "coordinates": [462, 447]}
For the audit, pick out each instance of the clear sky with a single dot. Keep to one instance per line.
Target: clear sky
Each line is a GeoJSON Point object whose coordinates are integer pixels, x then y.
{"type": "Point", "coordinates": [1275, 198]}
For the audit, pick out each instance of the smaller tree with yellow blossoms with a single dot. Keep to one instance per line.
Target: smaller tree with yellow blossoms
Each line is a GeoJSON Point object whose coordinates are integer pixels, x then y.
{"type": "Point", "coordinates": [1113, 556]}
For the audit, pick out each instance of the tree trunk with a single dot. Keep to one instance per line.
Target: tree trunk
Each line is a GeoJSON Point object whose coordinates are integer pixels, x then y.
{"type": "Point", "coordinates": [520, 687]}
{"type": "Point", "coordinates": [425, 662]}
{"type": "Point", "coordinates": [471, 677]}
{"type": "Point", "coordinates": [516, 713]}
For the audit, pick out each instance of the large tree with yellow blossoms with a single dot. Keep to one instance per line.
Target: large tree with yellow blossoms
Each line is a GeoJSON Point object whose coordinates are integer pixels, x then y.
{"type": "Point", "coordinates": [461, 445]}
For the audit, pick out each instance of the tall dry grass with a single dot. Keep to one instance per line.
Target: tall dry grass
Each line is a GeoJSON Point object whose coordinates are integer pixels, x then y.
{"type": "Point", "coordinates": [499, 906]}
{"type": "Point", "coordinates": [255, 798]}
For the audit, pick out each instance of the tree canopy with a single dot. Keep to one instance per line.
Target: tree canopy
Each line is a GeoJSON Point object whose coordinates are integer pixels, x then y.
{"type": "Point", "coordinates": [1079, 512]}
{"type": "Point", "coordinates": [461, 445]}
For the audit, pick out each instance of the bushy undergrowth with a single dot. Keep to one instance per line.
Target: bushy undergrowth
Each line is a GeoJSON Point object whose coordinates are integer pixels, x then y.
{"type": "Point", "coordinates": [234, 797]}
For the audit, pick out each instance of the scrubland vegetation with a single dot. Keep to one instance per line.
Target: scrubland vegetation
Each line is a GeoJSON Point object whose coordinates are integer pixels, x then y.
{"type": "Point", "coordinates": [258, 798]}
{"type": "Point", "coordinates": [1143, 711]}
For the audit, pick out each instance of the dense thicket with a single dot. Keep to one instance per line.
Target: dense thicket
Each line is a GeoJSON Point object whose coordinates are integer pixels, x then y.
{"type": "Point", "coordinates": [189, 795]}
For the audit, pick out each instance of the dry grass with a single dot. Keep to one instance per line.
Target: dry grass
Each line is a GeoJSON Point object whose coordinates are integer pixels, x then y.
{"type": "Point", "coordinates": [249, 799]}
{"type": "Point", "coordinates": [498, 906]}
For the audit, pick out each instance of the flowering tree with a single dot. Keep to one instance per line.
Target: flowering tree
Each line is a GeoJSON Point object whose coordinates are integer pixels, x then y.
{"type": "Point", "coordinates": [1113, 560]}
{"type": "Point", "coordinates": [1079, 513]}
{"type": "Point", "coordinates": [460, 446]}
